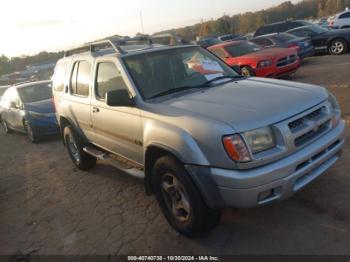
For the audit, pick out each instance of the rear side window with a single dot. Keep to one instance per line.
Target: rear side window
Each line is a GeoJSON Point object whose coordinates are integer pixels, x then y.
{"type": "Point", "coordinates": [346, 15]}
{"type": "Point", "coordinates": [80, 79]}
{"type": "Point", "coordinates": [59, 76]}
{"type": "Point", "coordinates": [108, 79]}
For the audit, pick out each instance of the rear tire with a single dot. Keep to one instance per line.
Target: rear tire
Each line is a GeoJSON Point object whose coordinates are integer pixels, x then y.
{"type": "Point", "coordinates": [179, 199]}
{"type": "Point", "coordinates": [247, 71]}
{"type": "Point", "coordinates": [75, 146]}
{"type": "Point", "coordinates": [338, 47]}
{"type": "Point", "coordinates": [30, 132]}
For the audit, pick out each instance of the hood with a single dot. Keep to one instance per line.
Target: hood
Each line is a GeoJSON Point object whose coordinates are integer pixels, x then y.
{"type": "Point", "coordinates": [269, 53]}
{"type": "Point", "coordinates": [251, 103]}
{"type": "Point", "coordinates": [43, 106]}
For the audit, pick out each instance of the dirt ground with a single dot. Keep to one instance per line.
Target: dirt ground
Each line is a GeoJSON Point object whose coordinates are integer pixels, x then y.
{"type": "Point", "coordinates": [49, 207]}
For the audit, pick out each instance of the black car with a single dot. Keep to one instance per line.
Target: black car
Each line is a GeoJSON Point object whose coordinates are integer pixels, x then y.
{"type": "Point", "coordinates": [207, 42]}
{"type": "Point", "coordinates": [335, 42]}
{"type": "Point", "coordinates": [280, 27]}
{"type": "Point", "coordinates": [301, 44]}
{"type": "Point", "coordinates": [28, 108]}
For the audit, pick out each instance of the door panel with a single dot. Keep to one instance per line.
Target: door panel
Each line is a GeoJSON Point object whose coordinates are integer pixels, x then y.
{"type": "Point", "coordinates": [117, 129]}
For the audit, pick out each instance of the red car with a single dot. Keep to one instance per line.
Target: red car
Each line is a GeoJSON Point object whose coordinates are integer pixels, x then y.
{"type": "Point", "coordinates": [255, 61]}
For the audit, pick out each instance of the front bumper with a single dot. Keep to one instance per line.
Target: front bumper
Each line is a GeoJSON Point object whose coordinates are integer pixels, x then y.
{"type": "Point", "coordinates": [276, 72]}
{"type": "Point", "coordinates": [272, 182]}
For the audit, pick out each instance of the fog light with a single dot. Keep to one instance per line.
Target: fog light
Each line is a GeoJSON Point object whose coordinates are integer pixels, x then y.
{"type": "Point", "coordinates": [266, 194]}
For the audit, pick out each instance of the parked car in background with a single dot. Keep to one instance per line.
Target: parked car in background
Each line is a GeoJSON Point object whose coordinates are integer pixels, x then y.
{"type": "Point", "coordinates": [208, 41]}
{"type": "Point", "coordinates": [256, 61]}
{"type": "Point", "coordinates": [28, 108]}
{"type": "Point", "coordinates": [199, 135]}
{"type": "Point", "coordinates": [2, 90]}
{"type": "Point", "coordinates": [280, 27]}
{"type": "Point", "coordinates": [301, 44]}
{"type": "Point", "coordinates": [231, 37]}
{"type": "Point", "coordinates": [335, 42]}
{"type": "Point", "coordinates": [341, 20]}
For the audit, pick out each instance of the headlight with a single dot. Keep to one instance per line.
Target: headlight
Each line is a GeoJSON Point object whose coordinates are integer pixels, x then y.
{"type": "Point", "coordinates": [333, 101]}
{"type": "Point", "coordinates": [260, 139]}
{"type": "Point", "coordinates": [264, 63]}
{"type": "Point", "coordinates": [336, 114]}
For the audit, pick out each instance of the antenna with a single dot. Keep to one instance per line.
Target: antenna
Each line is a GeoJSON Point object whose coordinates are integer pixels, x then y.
{"type": "Point", "coordinates": [141, 21]}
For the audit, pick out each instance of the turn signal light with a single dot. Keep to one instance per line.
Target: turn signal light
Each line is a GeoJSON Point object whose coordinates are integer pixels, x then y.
{"type": "Point", "coordinates": [236, 148]}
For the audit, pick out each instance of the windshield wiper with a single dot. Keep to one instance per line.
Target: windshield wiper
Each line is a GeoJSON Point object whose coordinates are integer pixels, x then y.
{"type": "Point", "coordinates": [178, 89]}
{"type": "Point", "coordinates": [222, 77]}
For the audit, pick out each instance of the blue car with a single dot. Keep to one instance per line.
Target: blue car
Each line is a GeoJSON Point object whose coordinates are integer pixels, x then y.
{"type": "Point", "coordinates": [28, 108]}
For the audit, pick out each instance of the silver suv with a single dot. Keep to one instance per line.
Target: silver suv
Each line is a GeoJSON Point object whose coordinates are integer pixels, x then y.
{"type": "Point", "coordinates": [201, 136]}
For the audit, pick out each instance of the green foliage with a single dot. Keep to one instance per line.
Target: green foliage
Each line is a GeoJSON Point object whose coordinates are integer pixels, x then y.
{"type": "Point", "coordinates": [250, 21]}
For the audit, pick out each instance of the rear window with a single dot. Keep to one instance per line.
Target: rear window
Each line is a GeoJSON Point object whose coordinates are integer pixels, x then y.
{"type": "Point", "coordinates": [35, 93]}
{"type": "Point", "coordinates": [59, 76]}
{"type": "Point", "coordinates": [242, 48]}
{"type": "Point", "coordinates": [265, 30]}
{"type": "Point", "coordinates": [346, 15]}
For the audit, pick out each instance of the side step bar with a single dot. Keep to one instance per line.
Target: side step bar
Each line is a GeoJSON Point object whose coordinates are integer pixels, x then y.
{"type": "Point", "coordinates": [116, 161]}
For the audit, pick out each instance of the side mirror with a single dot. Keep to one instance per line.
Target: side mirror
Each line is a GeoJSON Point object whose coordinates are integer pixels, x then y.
{"type": "Point", "coordinates": [13, 105]}
{"type": "Point", "coordinates": [119, 97]}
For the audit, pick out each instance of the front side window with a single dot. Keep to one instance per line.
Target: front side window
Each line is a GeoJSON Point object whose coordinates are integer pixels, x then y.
{"type": "Point", "coordinates": [108, 79]}
{"type": "Point", "coordinates": [157, 72]}
{"type": "Point", "coordinates": [80, 79]}
{"type": "Point", "coordinates": [35, 93]}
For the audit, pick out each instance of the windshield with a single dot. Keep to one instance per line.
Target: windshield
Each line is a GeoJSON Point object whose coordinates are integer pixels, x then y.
{"type": "Point", "coordinates": [242, 48]}
{"type": "Point", "coordinates": [284, 37]}
{"type": "Point", "coordinates": [34, 93]}
{"type": "Point", "coordinates": [157, 72]}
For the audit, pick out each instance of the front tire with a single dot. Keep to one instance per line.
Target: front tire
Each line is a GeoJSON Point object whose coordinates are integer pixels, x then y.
{"type": "Point", "coordinates": [75, 146]}
{"type": "Point", "coordinates": [180, 200]}
{"type": "Point", "coordinates": [338, 47]}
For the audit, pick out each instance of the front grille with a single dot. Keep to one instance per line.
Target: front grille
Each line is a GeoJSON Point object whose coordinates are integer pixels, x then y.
{"type": "Point", "coordinates": [287, 60]}
{"type": "Point", "coordinates": [310, 135]}
{"type": "Point", "coordinates": [310, 126]}
{"type": "Point", "coordinates": [300, 122]}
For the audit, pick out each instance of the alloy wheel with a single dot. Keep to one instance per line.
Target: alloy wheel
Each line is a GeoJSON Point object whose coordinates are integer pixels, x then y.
{"type": "Point", "coordinates": [337, 47]}
{"type": "Point", "coordinates": [176, 197]}
{"type": "Point", "coordinates": [73, 148]}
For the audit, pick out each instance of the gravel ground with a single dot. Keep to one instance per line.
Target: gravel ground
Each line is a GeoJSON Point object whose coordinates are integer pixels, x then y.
{"type": "Point", "coordinates": [50, 207]}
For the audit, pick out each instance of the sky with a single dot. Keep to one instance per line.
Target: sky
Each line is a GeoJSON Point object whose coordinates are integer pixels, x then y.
{"type": "Point", "coordinates": [30, 26]}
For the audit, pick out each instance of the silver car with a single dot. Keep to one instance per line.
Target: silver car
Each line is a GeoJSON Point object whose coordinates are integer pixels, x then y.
{"type": "Point", "coordinates": [200, 136]}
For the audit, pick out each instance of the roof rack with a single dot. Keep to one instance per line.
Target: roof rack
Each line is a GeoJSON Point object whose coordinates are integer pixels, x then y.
{"type": "Point", "coordinates": [105, 44]}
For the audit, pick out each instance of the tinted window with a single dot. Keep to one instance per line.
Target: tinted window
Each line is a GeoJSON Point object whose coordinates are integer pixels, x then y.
{"type": "Point", "coordinates": [265, 30]}
{"type": "Point", "coordinates": [219, 53]}
{"type": "Point", "coordinates": [284, 37]}
{"type": "Point", "coordinates": [80, 79]}
{"type": "Point", "coordinates": [35, 93]}
{"type": "Point", "coordinates": [346, 15]}
{"type": "Point", "coordinates": [242, 48]}
{"type": "Point", "coordinates": [259, 41]}
{"type": "Point", "coordinates": [302, 32]}
{"type": "Point", "coordinates": [282, 27]}
{"type": "Point", "coordinates": [108, 79]}
{"type": "Point", "coordinates": [59, 76]}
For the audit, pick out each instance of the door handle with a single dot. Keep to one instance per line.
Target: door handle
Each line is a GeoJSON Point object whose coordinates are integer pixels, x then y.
{"type": "Point", "coordinates": [95, 110]}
